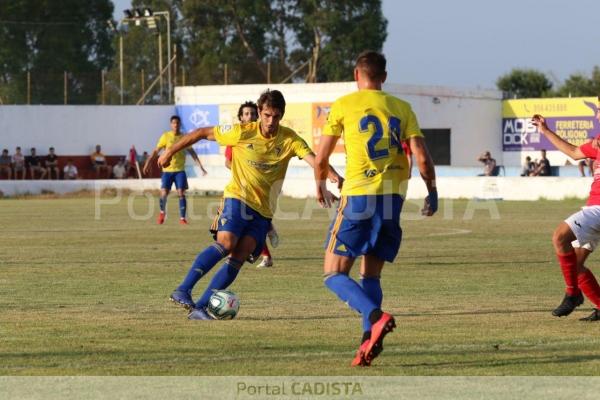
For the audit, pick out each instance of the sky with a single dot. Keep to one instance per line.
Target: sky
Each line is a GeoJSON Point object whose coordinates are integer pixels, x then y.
{"type": "Point", "coordinates": [470, 43]}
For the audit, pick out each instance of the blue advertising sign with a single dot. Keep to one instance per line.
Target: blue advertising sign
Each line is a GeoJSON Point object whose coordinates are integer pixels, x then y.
{"type": "Point", "coordinates": [199, 116]}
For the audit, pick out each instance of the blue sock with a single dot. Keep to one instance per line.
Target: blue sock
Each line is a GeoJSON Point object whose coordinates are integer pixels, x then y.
{"type": "Point", "coordinates": [182, 206]}
{"type": "Point", "coordinates": [351, 293]}
{"type": "Point", "coordinates": [163, 203]}
{"type": "Point", "coordinates": [221, 280]}
{"type": "Point", "coordinates": [203, 263]}
{"type": "Point", "coordinates": [372, 288]}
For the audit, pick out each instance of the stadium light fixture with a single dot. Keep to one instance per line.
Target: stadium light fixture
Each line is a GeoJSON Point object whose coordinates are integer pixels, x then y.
{"type": "Point", "coordinates": [151, 22]}
{"type": "Point", "coordinates": [151, 18]}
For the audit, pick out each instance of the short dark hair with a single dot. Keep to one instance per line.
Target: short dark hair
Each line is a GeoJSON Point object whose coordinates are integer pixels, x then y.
{"type": "Point", "coordinates": [372, 64]}
{"type": "Point", "coordinates": [5, 151]}
{"type": "Point", "coordinates": [51, 148]}
{"type": "Point", "coordinates": [249, 104]}
{"type": "Point", "coordinates": [175, 117]}
{"type": "Point", "coordinates": [273, 99]}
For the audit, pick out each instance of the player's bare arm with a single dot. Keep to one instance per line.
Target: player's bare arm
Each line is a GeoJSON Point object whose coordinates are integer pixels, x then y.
{"type": "Point", "coordinates": [150, 160]}
{"type": "Point", "coordinates": [196, 159]}
{"type": "Point", "coordinates": [196, 135]}
{"type": "Point", "coordinates": [322, 168]}
{"type": "Point", "coordinates": [427, 170]}
{"type": "Point", "coordinates": [332, 174]}
{"type": "Point", "coordinates": [558, 142]}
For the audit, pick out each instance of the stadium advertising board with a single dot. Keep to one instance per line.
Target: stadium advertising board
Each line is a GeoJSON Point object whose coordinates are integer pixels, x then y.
{"type": "Point", "coordinates": [198, 116]}
{"type": "Point", "coordinates": [298, 117]}
{"type": "Point", "coordinates": [571, 118]}
{"type": "Point", "coordinates": [320, 111]}
{"type": "Point", "coordinates": [228, 114]}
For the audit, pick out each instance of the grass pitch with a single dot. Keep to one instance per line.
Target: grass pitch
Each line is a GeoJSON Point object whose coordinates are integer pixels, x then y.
{"type": "Point", "coordinates": [472, 296]}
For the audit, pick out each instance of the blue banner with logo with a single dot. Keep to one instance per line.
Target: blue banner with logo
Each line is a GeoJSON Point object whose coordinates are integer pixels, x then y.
{"type": "Point", "coordinates": [199, 116]}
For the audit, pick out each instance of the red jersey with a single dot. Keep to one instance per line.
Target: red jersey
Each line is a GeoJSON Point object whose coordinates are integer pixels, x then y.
{"type": "Point", "coordinates": [406, 148]}
{"type": "Point", "coordinates": [228, 153]}
{"type": "Point", "coordinates": [594, 154]}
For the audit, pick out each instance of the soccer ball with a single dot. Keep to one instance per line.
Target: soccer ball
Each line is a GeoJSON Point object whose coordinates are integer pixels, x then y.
{"type": "Point", "coordinates": [223, 304]}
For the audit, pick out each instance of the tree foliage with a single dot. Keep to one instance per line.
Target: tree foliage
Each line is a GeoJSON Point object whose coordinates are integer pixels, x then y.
{"type": "Point", "coordinates": [47, 38]}
{"type": "Point", "coordinates": [217, 41]}
{"type": "Point", "coordinates": [525, 83]}
{"type": "Point", "coordinates": [529, 83]}
{"type": "Point", "coordinates": [268, 40]}
{"type": "Point", "coordinates": [580, 85]}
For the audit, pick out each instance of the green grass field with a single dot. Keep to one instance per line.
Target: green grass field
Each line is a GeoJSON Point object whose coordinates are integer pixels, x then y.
{"type": "Point", "coordinates": [86, 296]}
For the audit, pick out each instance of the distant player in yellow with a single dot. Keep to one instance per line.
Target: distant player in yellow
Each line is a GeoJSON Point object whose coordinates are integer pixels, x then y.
{"type": "Point", "coordinates": [262, 151]}
{"type": "Point", "coordinates": [374, 125]}
{"type": "Point", "coordinates": [175, 172]}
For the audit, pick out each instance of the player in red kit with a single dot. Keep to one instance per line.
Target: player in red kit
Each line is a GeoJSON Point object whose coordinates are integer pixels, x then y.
{"type": "Point", "coordinates": [578, 236]}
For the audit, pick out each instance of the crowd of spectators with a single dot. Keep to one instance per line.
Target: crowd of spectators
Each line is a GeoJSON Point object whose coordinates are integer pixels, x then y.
{"type": "Point", "coordinates": [34, 166]}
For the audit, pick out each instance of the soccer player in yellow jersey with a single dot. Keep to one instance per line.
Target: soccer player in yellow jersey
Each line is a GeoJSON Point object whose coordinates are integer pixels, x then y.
{"type": "Point", "coordinates": [174, 173]}
{"type": "Point", "coordinates": [262, 151]}
{"type": "Point", "coordinates": [374, 125]}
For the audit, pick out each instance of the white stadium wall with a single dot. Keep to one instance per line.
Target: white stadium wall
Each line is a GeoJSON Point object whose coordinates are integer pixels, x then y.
{"type": "Point", "coordinates": [75, 130]}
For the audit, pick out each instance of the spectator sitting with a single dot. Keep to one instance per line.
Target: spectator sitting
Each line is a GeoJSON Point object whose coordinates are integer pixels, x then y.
{"type": "Point", "coordinates": [52, 164]}
{"type": "Point", "coordinates": [35, 164]}
{"type": "Point", "coordinates": [6, 163]}
{"type": "Point", "coordinates": [528, 167]}
{"type": "Point", "coordinates": [70, 170]}
{"type": "Point", "coordinates": [99, 162]}
{"type": "Point", "coordinates": [542, 167]}
{"type": "Point", "coordinates": [18, 160]}
{"type": "Point", "coordinates": [583, 163]}
{"type": "Point", "coordinates": [119, 170]}
{"type": "Point", "coordinates": [489, 164]}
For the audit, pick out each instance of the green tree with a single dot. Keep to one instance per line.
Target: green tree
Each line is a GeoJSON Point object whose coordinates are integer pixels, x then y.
{"type": "Point", "coordinates": [580, 85]}
{"type": "Point", "coordinates": [525, 83]}
{"type": "Point", "coordinates": [332, 33]}
{"type": "Point", "coordinates": [47, 38]}
{"type": "Point", "coordinates": [261, 40]}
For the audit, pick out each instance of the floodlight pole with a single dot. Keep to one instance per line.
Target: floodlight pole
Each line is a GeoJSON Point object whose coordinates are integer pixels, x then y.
{"type": "Point", "coordinates": [121, 66]}
{"type": "Point", "coordinates": [167, 15]}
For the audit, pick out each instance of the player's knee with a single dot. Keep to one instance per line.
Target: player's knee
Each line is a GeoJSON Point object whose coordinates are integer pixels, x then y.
{"type": "Point", "coordinates": [224, 247]}
{"type": "Point", "coordinates": [561, 239]}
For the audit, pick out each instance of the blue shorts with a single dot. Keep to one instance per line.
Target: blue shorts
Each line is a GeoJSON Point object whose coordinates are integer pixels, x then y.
{"type": "Point", "coordinates": [240, 219]}
{"type": "Point", "coordinates": [179, 177]}
{"type": "Point", "coordinates": [367, 225]}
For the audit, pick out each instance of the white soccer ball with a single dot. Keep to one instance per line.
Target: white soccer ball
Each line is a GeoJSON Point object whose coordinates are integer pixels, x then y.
{"type": "Point", "coordinates": [223, 304]}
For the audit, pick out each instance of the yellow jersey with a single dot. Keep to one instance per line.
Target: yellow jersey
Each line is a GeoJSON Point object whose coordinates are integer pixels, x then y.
{"type": "Point", "coordinates": [167, 140]}
{"type": "Point", "coordinates": [258, 163]}
{"type": "Point", "coordinates": [374, 125]}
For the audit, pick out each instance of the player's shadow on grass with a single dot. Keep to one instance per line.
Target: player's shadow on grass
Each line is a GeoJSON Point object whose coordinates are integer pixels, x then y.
{"type": "Point", "coordinates": [495, 362]}
{"type": "Point", "coordinates": [299, 258]}
{"type": "Point", "coordinates": [473, 312]}
{"type": "Point", "coordinates": [482, 263]}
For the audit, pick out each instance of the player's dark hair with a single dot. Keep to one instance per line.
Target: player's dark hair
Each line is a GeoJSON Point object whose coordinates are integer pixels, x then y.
{"type": "Point", "coordinates": [372, 64]}
{"type": "Point", "coordinates": [250, 104]}
{"type": "Point", "coordinates": [273, 99]}
{"type": "Point", "coordinates": [175, 117]}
